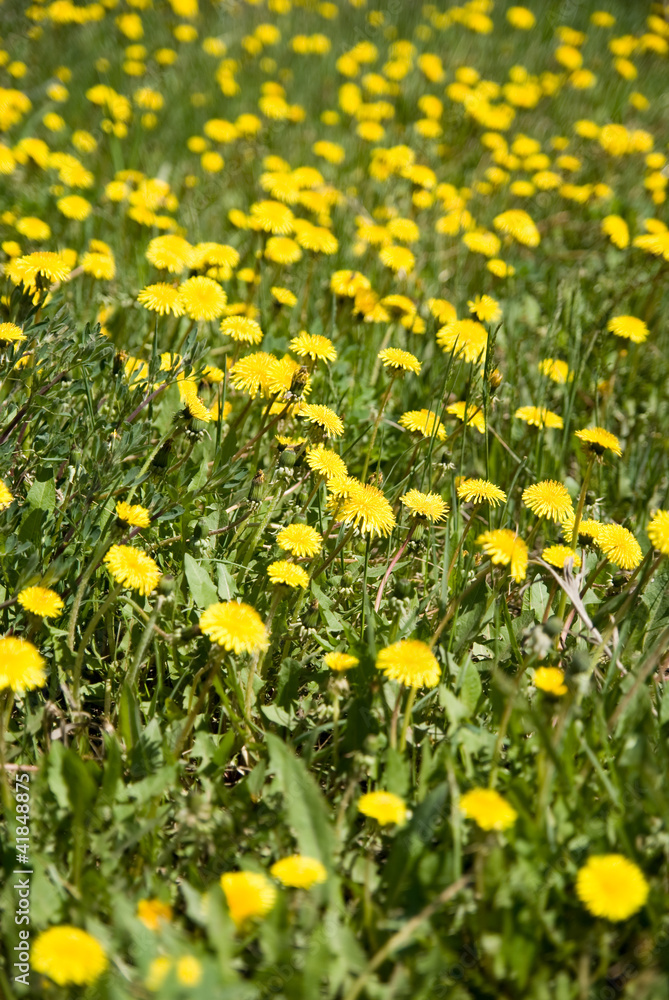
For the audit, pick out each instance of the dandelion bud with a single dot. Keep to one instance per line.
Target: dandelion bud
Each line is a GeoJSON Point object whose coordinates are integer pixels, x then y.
{"type": "Point", "coordinates": [553, 626]}
{"type": "Point", "coordinates": [580, 661]}
{"type": "Point", "coordinates": [256, 491]}
{"type": "Point", "coordinates": [298, 382]}
{"type": "Point", "coordinates": [166, 585]}
{"type": "Point", "coordinates": [287, 458]}
{"type": "Point", "coordinates": [495, 379]}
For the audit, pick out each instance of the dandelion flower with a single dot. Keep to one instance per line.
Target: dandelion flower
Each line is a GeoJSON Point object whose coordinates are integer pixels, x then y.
{"type": "Point", "coordinates": [242, 329]}
{"type": "Point", "coordinates": [488, 809]}
{"type": "Point", "coordinates": [599, 440]}
{"type": "Point", "coordinates": [539, 416]}
{"type": "Point", "coordinates": [300, 540]}
{"type": "Point", "coordinates": [368, 509]}
{"type": "Point", "coordinates": [133, 514]}
{"type": "Point", "coordinates": [45, 262]}
{"type": "Point", "coordinates": [399, 361]}
{"type": "Point", "coordinates": [202, 298]}
{"type": "Point", "coordinates": [411, 662]}
{"type": "Point", "coordinates": [550, 680]}
{"type": "Point", "coordinates": [485, 308]}
{"type": "Point", "coordinates": [518, 224]}
{"type": "Point", "coordinates": [41, 601]}
{"type": "Point", "coordinates": [133, 568]}
{"type": "Point", "coordinates": [472, 414]}
{"type": "Point", "coordinates": [6, 498]}
{"type": "Point", "coordinates": [480, 491]}
{"type": "Point", "coordinates": [288, 573]}
{"type": "Point", "coordinates": [153, 912]}
{"type": "Point", "coordinates": [619, 546]}
{"type": "Point", "coordinates": [170, 253]}
{"type": "Point", "coordinates": [73, 206]}
{"type": "Point", "coordinates": [505, 548]}
{"type": "Point", "coordinates": [189, 970]}
{"type": "Point", "coordinates": [556, 370]}
{"type": "Point", "coordinates": [398, 258]}
{"type": "Point", "coordinates": [326, 463]}
{"type": "Point", "coordinates": [248, 895]}
{"type": "Point", "coordinates": [340, 661]}
{"type": "Point", "coordinates": [658, 531]}
{"type": "Point", "coordinates": [272, 217]}
{"type": "Point", "coordinates": [235, 626]}
{"type": "Point", "coordinates": [299, 871]}
{"type": "Point", "coordinates": [611, 886]}
{"type": "Point", "coordinates": [21, 665]}
{"type": "Point", "coordinates": [629, 327]}
{"type": "Point", "coordinates": [11, 333]}
{"type": "Point", "coordinates": [68, 955]}
{"type": "Point", "coordinates": [251, 373]}
{"type": "Point", "coordinates": [617, 231]}
{"type": "Point", "coordinates": [466, 337]}
{"type": "Point", "coordinates": [324, 417]}
{"type": "Point", "coordinates": [283, 295]}
{"type": "Point", "coordinates": [423, 422]}
{"type": "Point", "coordinates": [282, 250]}
{"type": "Point", "coordinates": [557, 555]}
{"type": "Point", "coordinates": [313, 345]}
{"type": "Point", "coordinates": [548, 499]}
{"type": "Point", "coordinates": [429, 506]}
{"type": "Point", "coordinates": [521, 18]}
{"type": "Point", "coordinates": [384, 807]}
{"type": "Point", "coordinates": [161, 298]}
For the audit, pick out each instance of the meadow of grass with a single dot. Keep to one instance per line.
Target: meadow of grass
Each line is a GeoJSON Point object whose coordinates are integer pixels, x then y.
{"type": "Point", "coordinates": [334, 500]}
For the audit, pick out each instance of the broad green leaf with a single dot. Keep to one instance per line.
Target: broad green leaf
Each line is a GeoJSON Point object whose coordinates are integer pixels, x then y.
{"type": "Point", "coordinates": [201, 587]}
{"type": "Point", "coordinates": [42, 495]}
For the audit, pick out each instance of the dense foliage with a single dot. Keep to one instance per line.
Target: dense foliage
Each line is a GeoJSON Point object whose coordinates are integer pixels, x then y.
{"type": "Point", "coordinates": [333, 436]}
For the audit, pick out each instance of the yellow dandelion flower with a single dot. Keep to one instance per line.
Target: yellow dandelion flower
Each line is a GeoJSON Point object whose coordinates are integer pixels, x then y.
{"type": "Point", "coordinates": [324, 417]}
{"type": "Point", "coordinates": [99, 265]}
{"type": "Point", "coordinates": [423, 422]}
{"type": "Point", "coordinates": [170, 253]}
{"type": "Point", "coordinates": [599, 440]}
{"type": "Point", "coordinates": [340, 661]}
{"type": "Point", "coordinates": [488, 809]}
{"type": "Point", "coordinates": [429, 506]}
{"type": "Point", "coordinates": [287, 573]}
{"type": "Point", "coordinates": [505, 548]}
{"type": "Point", "coordinates": [300, 540]}
{"type": "Point", "coordinates": [11, 333]}
{"type": "Point", "coordinates": [44, 262]}
{"type": "Point", "coordinates": [133, 568]}
{"type": "Point", "coordinates": [393, 357]}
{"type": "Point", "coordinates": [41, 601]}
{"type": "Point", "coordinates": [326, 463]}
{"type": "Point", "coordinates": [617, 230]}
{"type": "Point", "coordinates": [384, 807]}
{"type": "Point", "coordinates": [235, 626]}
{"type": "Point", "coordinates": [619, 546]}
{"type": "Point", "coordinates": [283, 295]}
{"type": "Point", "coordinates": [550, 680]}
{"type": "Point", "coordinates": [521, 18]}
{"type": "Point", "coordinates": [313, 345]}
{"type": "Point", "coordinates": [21, 665]}
{"type": "Point", "coordinates": [472, 414]}
{"type": "Point", "coordinates": [368, 509]}
{"type": "Point", "coordinates": [658, 531]}
{"type": "Point", "coordinates": [299, 871]}
{"type": "Point", "coordinates": [397, 258]}
{"type": "Point", "coordinates": [242, 329]}
{"type": "Point", "coordinates": [68, 955]}
{"type": "Point", "coordinates": [611, 886]}
{"type": "Point", "coordinates": [485, 308]}
{"type": "Point", "coordinates": [316, 238]}
{"type": "Point", "coordinates": [73, 206]}
{"type": "Point", "coordinates": [133, 514]}
{"type": "Point", "coordinates": [287, 377]}
{"type": "Point", "coordinates": [486, 244]}
{"type": "Point", "coordinates": [411, 662]}
{"type": "Point", "coordinates": [189, 970]}
{"type": "Point", "coordinates": [283, 250]}
{"type": "Point", "coordinates": [548, 499]}
{"type": "Point", "coordinates": [539, 416]}
{"type": "Point", "coordinates": [556, 370]}
{"type": "Point", "coordinates": [518, 224]}
{"type": "Point", "coordinates": [466, 337]}
{"type": "Point", "coordinates": [153, 912]}
{"type": "Point", "coordinates": [202, 298]}
{"type": "Point", "coordinates": [272, 217]}
{"type": "Point", "coordinates": [629, 327]}
{"type": "Point", "coordinates": [248, 895]}
{"type": "Point", "coordinates": [161, 298]}
{"type": "Point", "coordinates": [480, 491]}
{"type": "Point", "coordinates": [557, 555]}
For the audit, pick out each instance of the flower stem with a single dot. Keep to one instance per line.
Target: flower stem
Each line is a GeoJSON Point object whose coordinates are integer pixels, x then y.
{"type": "Point", "coordinates": [407, 716]}
{"type": "Point", "coordinates": [375, 428]}
{"type": "Point", "coordinates": [577, 524]}
{"type": "Point", "coordinates": [396, 558]}
{"type": "Point", "coordinates": [259, 659]}
{"type": "Point", "coordinates": [90, 628]}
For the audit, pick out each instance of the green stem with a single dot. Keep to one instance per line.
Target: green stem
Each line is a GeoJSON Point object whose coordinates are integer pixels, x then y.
{"type": "Point", "coordinates": [147, 635]}
{"type": "Point", "coordinates": [90, 628]}
{"type": "Point", "coordinates": [319, 569]}
{"type": "Point", "coordinates": [259, 660]}
{"type": "Point", "coordinates": [375, 428]}
{"type": "Point", "coordinates": [407, 716]}
{"type": "Point", "coordinates": [577, 524]}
